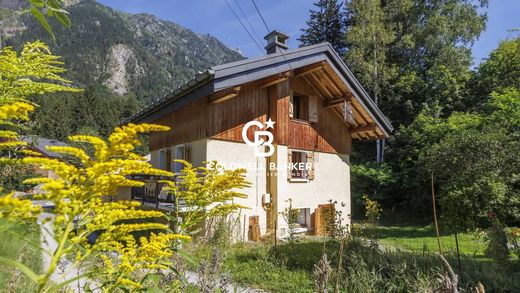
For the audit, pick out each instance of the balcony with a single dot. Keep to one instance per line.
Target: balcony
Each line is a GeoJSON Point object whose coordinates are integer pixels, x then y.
{"type": "Point", "coordinates": [152, 193]}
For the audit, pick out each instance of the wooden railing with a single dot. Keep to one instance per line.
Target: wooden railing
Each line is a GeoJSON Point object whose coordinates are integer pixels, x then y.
{"type": "Point", "coordinates": [152, 191]}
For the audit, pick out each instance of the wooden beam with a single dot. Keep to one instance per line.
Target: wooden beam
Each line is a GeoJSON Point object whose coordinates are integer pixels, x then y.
{"type": "Point", "coordinates": [365, 128]}
{"type": "Point", "coordinates": [365, 137]}
{"type": "Point", "coordinates": [328, 94]}
{"type": "Point", "coordinates": [333, 103]}
{"type": "Point", "coordinates": [357, 108]}
{"type": "Point", "coordinates": [308, 69]}
{"type": "Point", "coordinates": [314, 88]}
{"type": "Point", "coordinates": [335, 110]}
{"type": "Point", "coordinates": [332, 82]}
{"type": "Point", "coordinates": [276, 79]}
{"type": "Point", "coordinates": [224, 95]}
{"type": "Point", "coordinates": [336, 102]}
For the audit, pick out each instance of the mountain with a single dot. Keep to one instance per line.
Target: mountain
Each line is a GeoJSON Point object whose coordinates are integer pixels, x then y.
{"type": "Point", "coordinates": [135, 54]}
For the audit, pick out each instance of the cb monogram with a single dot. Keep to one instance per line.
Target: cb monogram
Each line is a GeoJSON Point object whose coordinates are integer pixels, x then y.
{"type": "Point", "coordinates": [258, 139]}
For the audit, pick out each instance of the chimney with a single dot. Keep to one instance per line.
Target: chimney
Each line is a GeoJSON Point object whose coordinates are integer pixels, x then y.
{"type": "Point", "coordinates": [276, 42]}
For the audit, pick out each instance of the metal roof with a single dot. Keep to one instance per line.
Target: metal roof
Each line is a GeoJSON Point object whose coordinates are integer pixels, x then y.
{"type": "Point", "coordinates": [39, 144]}
{"type": "Point", "coordinates": [236, 73]}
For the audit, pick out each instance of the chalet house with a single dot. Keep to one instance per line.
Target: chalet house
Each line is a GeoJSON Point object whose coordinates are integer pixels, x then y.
{"type": "Point", "coordinates": [318, 109]}
{"type": "Point", "coordinates": [39, 145]}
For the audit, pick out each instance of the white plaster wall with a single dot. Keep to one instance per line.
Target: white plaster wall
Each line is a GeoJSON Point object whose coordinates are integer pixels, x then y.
{"type": "Point", "coordinates": [154, 158]}
{"type": "Point", "coordinates": [197, 153]}
{"type": "Point", "coordinates": [233, 155]}
{"type": "Point", "coordinates": [331, 181]}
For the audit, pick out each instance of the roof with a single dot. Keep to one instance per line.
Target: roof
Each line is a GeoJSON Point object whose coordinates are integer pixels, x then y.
{"type": "Point", "coordinates": [39, 144]}
{"type": "Point", "coordinates": [237, 73]}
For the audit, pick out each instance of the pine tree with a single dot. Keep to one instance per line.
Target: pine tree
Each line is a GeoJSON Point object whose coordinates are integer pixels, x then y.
{"type": "Point", "coordinates": [368, 37]}
{"type": "Point", "coordinates": [326, 24]}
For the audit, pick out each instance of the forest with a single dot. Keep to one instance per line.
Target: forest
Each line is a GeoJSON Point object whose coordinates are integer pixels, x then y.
{"type": "Point", "coordinates": [455, 122]}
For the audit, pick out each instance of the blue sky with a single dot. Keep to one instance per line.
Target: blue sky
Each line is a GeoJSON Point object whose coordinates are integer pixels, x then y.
{"type": "Point", "coordinates": [214, 17]}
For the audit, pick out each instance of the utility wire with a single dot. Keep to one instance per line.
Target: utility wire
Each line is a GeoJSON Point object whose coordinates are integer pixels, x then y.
{"type": "Point", "coordinates": [263, 20]}
{"type": "Point", "coordinates": [243, 26]}
{"type": "Point", "coordinates": [268, 31]}
{"type": "Point", "coordinates": [248, 22]}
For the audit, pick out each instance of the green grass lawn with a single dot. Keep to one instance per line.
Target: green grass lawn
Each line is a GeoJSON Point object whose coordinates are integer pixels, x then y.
{"type": "Point", "coordinates": [253, 265]}
{"type": "Point", "coordinates": [17, 242]}
{"type": "Point", "coordinates": [423, 238]}
{"type": "Point", "coordinates": [414, 267]}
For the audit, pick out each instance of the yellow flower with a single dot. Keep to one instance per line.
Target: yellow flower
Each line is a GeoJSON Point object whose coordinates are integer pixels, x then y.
{"type": "Point", "coordinates": [15, 208]}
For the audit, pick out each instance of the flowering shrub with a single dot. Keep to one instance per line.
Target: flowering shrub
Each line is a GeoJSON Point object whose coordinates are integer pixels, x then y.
{"type": "Point", "coordinates": [78, 190]}
{"type": "Point", "coordinates": [79, 210]}
{"type": "Point", "coordinates": [32, 72]}
{"type": "Point", "coordinates": [373, 210]}
{"type": "Point", "coordinates": [513, 236]}
{"type": "Point", "coordinates": [208, 192]}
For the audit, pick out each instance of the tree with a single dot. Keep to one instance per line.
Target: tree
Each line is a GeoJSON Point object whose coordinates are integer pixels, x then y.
{"type": "Point", "coordinates": [52, 8]}
{"type": "Point", "coordinates": [411, 191]}
{"type": "Point", "coordinates": [431, 51]}
{"type": "Point", "coordinates": [367, 38]}
{"type": "Point", "coordinates": [370, 179]}
{"type": "Point", "coordinates": [95, 109]}
{"type": "Point", "coordinates": [406, 146]}
{"type": "Point", "coordinates": [478, 165]}
{"type": "Point", "coordinates": [499, 71]}
{"type": "Point", "coordinates": [34, 71]}
{"type": "Point", "coordinates": [326, 24]}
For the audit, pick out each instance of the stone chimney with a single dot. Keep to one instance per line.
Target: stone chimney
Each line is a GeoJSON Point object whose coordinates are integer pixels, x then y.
{"type": "Point", "coordinates": [276, 42]}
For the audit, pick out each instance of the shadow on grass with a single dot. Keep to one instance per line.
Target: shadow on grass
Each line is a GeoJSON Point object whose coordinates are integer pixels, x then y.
{"type": "Point", "coordinates": [406, 232]}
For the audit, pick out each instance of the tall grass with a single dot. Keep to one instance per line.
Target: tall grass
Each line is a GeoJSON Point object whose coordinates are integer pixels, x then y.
{"type": "Point", "coordinates": [370, 269]}
{"type": "Point", "coordinates": [20, 242]}
{"type": "Point", "coordinates": [365, 267]}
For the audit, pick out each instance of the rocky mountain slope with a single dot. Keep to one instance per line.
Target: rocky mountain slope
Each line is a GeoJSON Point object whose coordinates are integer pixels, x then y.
{"type": "Point", "coordinates": [131, 54]}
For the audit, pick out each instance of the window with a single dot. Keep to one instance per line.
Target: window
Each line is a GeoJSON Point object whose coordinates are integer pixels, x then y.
{"type": "Point", "coordinates": [299, 107]}
{"type": "Point", "coordinates": [299, 165]}
{"type": "Point", "coordinates": [164, 159]}
{"type": "Point", "coordinates": [181, 153]}
{"type": "Point", "coordinates": [304, 216]}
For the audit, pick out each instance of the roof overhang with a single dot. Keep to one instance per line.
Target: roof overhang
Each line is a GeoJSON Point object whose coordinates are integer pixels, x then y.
{"type": "Point", "coordinates": [234, 74]}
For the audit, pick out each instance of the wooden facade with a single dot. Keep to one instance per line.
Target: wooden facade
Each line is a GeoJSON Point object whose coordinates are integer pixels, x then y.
{"type": "Point", "coordinates": [222, 116]}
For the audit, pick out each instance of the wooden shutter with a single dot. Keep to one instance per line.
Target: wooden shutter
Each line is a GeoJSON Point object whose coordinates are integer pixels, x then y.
{"type": "Point", "coordinates": [187, 154]}
{"type": "Point", "coordinates": [291, 107]}
{"type": "Point", "coordinates": [168, 163]}
{"type": "Point", "coordinates": [310, 159]}
{"type": "Point", "coordinates": [289, 164]}
{"type": "Point", "coordinates": [320, 225]}
{"type": "Point", "coordinates": [313, 109]}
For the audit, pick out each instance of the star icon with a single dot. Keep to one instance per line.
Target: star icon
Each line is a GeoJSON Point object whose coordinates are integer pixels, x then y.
{"type": "Point", "coordinates": [270, 124]}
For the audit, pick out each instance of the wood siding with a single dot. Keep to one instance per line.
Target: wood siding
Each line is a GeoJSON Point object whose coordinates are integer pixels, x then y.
{"type": "Point", "coordinates": [225, 120]}
{"type": "Point", "coordinates": [330, 134]}
{"type": "Point", "coordinates": [186, 124]}
{"type": "Point", "coordinates": [218, 121]}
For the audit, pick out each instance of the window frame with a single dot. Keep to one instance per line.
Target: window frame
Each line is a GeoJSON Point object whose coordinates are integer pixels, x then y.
{"type": "Point", "coordinates": [184, 157]}
{"type": "Point", "coordinates": [305, 174]}
{"type": "Point", "coordinates": [302, 106]}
